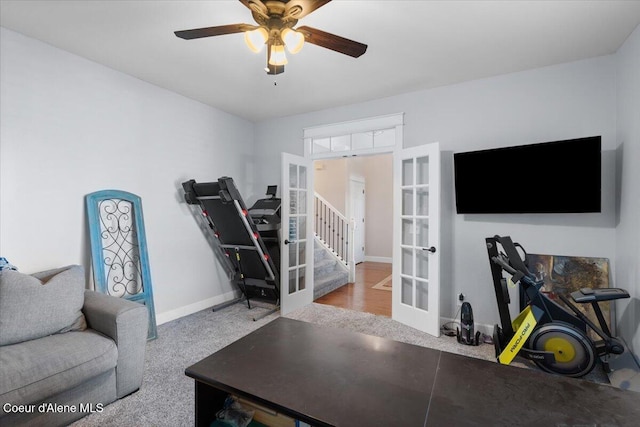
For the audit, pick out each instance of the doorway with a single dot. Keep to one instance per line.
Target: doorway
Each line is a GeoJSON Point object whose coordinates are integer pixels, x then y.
{"type": "Point", "coordinates": [414, 202]}
{"type": "Point", "coordinates": [369, 293]}
{"type": "Point", "coordinates": [342, 181]}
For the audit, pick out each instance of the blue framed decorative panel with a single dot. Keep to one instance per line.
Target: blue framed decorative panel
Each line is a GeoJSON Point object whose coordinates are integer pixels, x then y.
{"type": "Point", "coordinates": [119, 248]}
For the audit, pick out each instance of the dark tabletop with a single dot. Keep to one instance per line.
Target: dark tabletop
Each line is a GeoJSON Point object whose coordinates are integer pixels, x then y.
{"type": "Point", "coordinates": [337, 377]}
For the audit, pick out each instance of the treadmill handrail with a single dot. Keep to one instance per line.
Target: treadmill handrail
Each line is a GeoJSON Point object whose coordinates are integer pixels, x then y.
{"type": "Point", "coordinates": [254, 240]}
{"type": "Point", "coordinates": [232, 246]}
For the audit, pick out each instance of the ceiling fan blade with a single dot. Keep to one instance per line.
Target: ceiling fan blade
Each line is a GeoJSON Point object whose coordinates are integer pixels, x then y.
{"type": "Point", "coordinates": [296, 9]}
{"type": "Point", "coordinates": [220, 30]}
{"type": "Point", "coordinates": [333, 42]}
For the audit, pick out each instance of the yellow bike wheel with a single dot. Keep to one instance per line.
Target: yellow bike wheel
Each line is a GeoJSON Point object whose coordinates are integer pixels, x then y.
{"type": "Point", "coordinates": [573, 350]}
{"type": "Point", "coordinates": [562, 348]}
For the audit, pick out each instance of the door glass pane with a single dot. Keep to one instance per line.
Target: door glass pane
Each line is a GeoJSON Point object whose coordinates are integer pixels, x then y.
{"type": "Point", "coordinates": [407, 232]}
{"type": "Point", "coordinates": [302, 227]}
{"type": "Point", "coordinates": [293, 229]}
{"type": "Point", "coordinates": [293, 176]}
{"type": "Point", "coordinates": [422, 201]}
{"type": "Point", "coordinates": [407, 261]}
{"type": "Point", "coordinates": [292, 280]}
{"type": "Point", "coordinates": [407, 172]}
{"type": "Point", "coordinates": [302, 201]}
{"type": "Point", "coordinates": [422, 233]}
{"type": "Point", "coordinates": [303, 177]}
{"type": "Point", "coordinates": [422, 264]}
{"type": "Point", "coordinates": [293, 201]}
{"type": "Point", "coordinates": [360, 141]}
{"type": "Point", "coordinates": [293, 253]}
{"type": "Point", "coordinates": [384, 138]}
{"type": "Point", "coordinates": [407, 202]}
{"type": "Point", "coordinates": [422, 295]}
{"type": "Point", "coordinates": [302, 279]}
{"type": "Point", "coordinates": [302, 247]}
{"type": "Point", "coordinates": [406, 290]}
{"type": "Point", "coordinates": [422, 170]}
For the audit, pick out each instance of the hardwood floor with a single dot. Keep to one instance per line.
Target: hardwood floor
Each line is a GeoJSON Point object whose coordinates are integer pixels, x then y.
{"type": "Point", "coordinates": [360, 296]}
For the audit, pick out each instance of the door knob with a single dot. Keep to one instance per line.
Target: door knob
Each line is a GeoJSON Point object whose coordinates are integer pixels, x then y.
{"type": "Point", "coordinates": [286, 242]}
{"type": "Point", "coordinates": [432, 249]}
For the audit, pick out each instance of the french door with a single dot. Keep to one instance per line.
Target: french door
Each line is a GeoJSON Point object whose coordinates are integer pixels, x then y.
{"type": "Point", "coordinates": [296, 247]}
{"type": "Point", "coordinates": [416, 235]}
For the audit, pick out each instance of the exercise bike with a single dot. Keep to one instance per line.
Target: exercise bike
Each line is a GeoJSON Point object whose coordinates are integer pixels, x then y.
{"type": "Point", "coordinates": [555, 338]}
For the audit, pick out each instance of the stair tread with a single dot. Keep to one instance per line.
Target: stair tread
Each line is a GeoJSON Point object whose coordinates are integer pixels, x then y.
{"type": "Point", "coordinates": [329, 284]}
{"type": "Point", "coordinates": [325, 262]}
{"type": "Point", "coordinates": [335, 275]}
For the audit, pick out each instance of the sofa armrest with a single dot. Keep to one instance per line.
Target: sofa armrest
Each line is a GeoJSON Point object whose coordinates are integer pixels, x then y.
{"type": "Point", "coordinates": [126, 322]}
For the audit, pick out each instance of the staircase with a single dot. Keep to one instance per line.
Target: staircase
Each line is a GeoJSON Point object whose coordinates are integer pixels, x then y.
{"type": "Point", "coordinates": [333, 257]}
{"type": "Point", "coordinates": [329, 272]}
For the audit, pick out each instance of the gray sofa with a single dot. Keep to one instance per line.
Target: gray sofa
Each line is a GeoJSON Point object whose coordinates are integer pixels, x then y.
{"type": "Point", "coordinates": [65, 351]}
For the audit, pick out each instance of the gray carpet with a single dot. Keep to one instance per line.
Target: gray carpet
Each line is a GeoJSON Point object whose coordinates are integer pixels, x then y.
{"type": "Point", "coordinates": [167, 395]}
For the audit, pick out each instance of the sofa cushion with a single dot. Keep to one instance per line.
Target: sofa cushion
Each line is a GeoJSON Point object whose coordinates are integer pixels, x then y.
{"type": "Point", "coordinates": [32, 371]}
{"type": "Point", "coordinates": [41, 304]}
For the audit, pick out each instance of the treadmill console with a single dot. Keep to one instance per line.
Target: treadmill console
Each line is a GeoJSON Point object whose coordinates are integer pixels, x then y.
{"type": "Point", "coordinates": [265, 213]}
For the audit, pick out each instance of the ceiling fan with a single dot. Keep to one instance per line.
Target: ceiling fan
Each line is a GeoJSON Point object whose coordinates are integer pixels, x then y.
{"type": "Point", "coordinates": [276, 19]}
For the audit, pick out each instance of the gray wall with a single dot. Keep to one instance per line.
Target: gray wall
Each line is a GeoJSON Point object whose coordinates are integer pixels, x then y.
{"type": "Point", "coordinates": [628, 155]}
{"type": "Point", "coordinates": [566, 101]}
{"type": "Point", "coordinates": [65, 123]}
{"type": "Point", "coordinates": [69, 127]}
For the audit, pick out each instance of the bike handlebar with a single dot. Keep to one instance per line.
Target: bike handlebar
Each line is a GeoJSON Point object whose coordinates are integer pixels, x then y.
{"type": "Point", "coordinates": [505, 266]}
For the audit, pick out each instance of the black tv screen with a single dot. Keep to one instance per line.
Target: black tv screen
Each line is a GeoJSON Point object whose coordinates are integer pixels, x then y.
{"type": "Point", "coordinates": [550, 177]}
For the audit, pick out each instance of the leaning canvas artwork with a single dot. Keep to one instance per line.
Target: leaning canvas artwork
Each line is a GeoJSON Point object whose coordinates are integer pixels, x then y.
{"type": "Point", "coordinates": [566, 274]}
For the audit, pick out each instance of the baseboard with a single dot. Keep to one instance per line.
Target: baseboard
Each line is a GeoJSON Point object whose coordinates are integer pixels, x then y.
{"type": "Point", "coordinates": [186, 310]}
{"type": "Point", "coordinates": [384, 259]}
{"type": "Point", "coordinates": [453, 323]}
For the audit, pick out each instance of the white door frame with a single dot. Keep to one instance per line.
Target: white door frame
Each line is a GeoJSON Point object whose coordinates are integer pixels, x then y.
{"type": "Point", "coordinates": [346, 130]}
{"type": "Point", "coordinates": [359, 225]}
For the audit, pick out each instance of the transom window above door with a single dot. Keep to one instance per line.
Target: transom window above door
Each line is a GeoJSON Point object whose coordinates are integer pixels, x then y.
{"type": "Point", "coordinates": [366, 136]}
{"type": "Point", "coordinates": [355, 141]}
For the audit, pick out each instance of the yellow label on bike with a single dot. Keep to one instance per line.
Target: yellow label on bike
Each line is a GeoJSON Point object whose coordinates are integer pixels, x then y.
{"type": "Point", "coordinates": [525, 322]}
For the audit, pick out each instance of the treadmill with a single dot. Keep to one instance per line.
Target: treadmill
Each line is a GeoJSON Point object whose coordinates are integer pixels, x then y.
{"type": "Point", "coordinates": [249, 237]}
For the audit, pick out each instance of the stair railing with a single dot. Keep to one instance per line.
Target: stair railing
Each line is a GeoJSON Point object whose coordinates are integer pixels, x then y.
{"type": "Point", "coordinates": [334, 230]}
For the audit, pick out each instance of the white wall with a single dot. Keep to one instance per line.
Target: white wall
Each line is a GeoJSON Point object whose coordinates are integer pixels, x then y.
{"type": "Point", "coordinates": [70, 127]}
{"type": "Point", "coordinates": [628, 149]}
{"type": "Point", "coordinates": [378, 173]}
{"type": "Point", "coordinates": [566, 101]}
{"type": "Point", "coordinates": [330, 179]}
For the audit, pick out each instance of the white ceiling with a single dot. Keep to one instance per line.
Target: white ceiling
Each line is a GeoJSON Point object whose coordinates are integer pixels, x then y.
{"type": "Point", "coordinates": [413, 45]}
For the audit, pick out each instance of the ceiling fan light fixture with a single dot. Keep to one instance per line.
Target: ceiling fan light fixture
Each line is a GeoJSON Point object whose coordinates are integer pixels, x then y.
{"type": "Point", "coordinates": [277, 55]}
{"type": "Point", "coordinates": [255, 39]}
{"type": "Point", "coordinates": [294, 40]}
{"type": "Point", "coordinates": [275, 20]}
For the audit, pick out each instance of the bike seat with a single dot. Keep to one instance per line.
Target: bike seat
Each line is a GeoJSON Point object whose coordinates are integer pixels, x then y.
{"type": "Point", "coordinates": [603, 294]}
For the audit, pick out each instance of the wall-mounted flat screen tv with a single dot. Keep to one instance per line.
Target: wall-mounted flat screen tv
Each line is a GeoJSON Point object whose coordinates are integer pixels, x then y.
{"type": "Point", "coordinates": [550, 177]}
